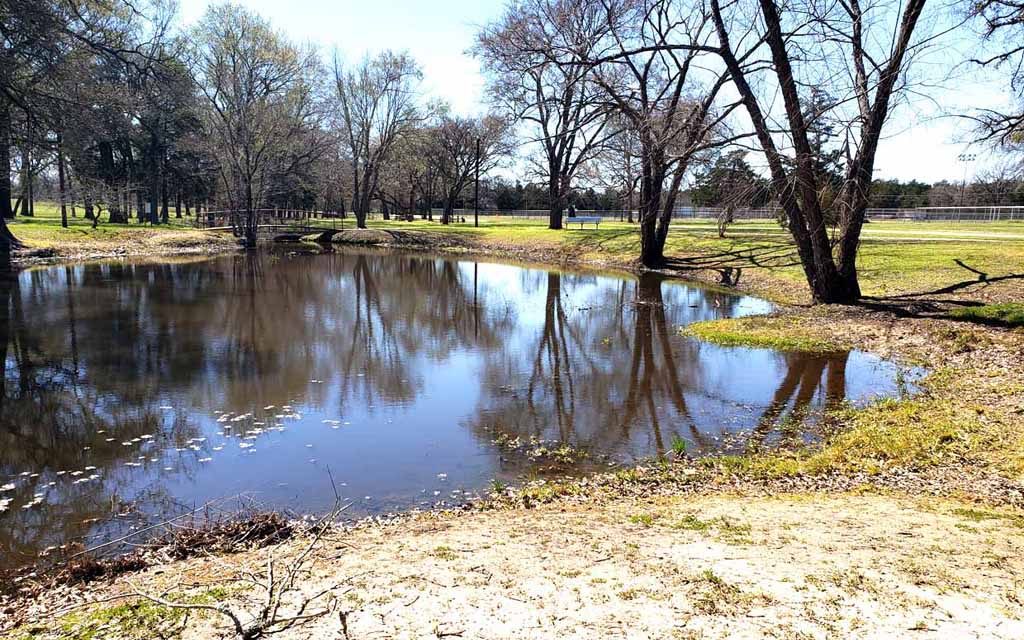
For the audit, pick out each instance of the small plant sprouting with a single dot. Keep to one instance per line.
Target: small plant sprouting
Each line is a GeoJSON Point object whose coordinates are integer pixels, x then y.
{"type": "Point", "coordinates": [678, 446]}
{"type": "Point", "coordinates": [644, 519]}
{"type": "Point", "coordinates": [498, 487]}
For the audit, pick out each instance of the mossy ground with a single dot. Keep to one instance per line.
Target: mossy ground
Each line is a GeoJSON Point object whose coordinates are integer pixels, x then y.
{"type": "Point", "coordinates": [131, 619]}
{"type": "Point", "coordinates": [782, 333]}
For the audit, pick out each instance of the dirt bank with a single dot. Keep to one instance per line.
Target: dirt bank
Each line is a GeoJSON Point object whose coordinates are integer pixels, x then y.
{"type": "Point", "coordinates": [131, 243]}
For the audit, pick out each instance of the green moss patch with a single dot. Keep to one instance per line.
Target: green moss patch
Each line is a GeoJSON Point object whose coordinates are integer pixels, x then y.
{"type": "Point", "coordinates": [137, 620]}
{"type": "Point", "coordinates": [782, 333]}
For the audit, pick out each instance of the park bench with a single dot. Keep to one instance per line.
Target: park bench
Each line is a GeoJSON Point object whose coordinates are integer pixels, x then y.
{"type": "Point", "coordinates": [582, 220]}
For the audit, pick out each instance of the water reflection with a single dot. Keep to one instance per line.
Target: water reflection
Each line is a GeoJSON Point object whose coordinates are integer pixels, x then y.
{"type": "Point", "coordinates": [135, 391]}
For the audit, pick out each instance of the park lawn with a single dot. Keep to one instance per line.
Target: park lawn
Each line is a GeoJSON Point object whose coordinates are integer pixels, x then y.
{"type": "Point", "coordinates": [43, 236]}
{"type": "Point", "coordinates": [893, 260]}
{"type": "Point", "coordinates": [44, 229]}
{"type": "Point", "coordinates": [897, 258]}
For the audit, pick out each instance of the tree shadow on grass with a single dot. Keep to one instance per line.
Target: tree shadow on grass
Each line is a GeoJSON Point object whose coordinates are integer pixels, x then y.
{"type": "Point", "coordinates": [730, 263]}
{"type": "Point", "coordinates": [935, 303]}
{"type": "Point", "coordinates": [598, 240]}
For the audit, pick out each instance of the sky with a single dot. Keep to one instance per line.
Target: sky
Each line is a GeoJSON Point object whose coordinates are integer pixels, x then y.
{"type": "Point", "coordinates": [921, 140]}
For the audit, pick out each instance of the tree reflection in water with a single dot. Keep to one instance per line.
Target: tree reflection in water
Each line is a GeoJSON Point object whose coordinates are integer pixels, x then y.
{"type": "Point", "coordinates": [616, 376]}
{"type": "Point", "coordinates": [128, 390]}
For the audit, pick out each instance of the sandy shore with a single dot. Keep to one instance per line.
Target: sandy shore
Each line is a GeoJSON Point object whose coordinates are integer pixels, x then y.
{"type": "Point", "coordinates": [721, 566]}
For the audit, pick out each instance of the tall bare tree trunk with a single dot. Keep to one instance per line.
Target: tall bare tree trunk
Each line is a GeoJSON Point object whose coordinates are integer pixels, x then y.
{"type": "Point", "coordinates": [7, 239]}
{"type": "Point", "coordinates": [652, 247]}
{"type": "Point", "coordinates": [556, 200]}
{"type": "Point", "coordinates": [164, 214]}
{"type": "Point", "coordinates": [6, 212]}
{"type": "Point", "coordinates": [61, 177]}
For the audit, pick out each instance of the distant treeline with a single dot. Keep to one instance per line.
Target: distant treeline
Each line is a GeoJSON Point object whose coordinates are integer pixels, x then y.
{"type": "Point", "coordinates": [512, 195]}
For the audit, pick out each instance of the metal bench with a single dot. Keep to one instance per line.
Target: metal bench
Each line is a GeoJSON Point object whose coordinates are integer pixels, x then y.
{"type": "Point", "coordinates": [582, 220]}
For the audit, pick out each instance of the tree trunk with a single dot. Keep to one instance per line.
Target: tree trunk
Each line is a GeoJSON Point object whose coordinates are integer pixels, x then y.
{"type": "Point", "coordinates": [652, 247]}
{"type": "Point", "coordinates": [28, 209]}
{"type": "Point", "coordinates": [61, 181]}
{"type": "Point", "coordinates": [118, 209]}
{"type": "Point", "coordinates": [7, 239]}
{"type": "Point", "coordinates": [251, 224]}
{"type": "Point", "coordinates": [164, 209]}
{"type": "Point", "coordinates": [449, 208]}
{"type": "Point", "coordinates": [6, 212]}
{"type": "Point", "coordinates": [556, 202]}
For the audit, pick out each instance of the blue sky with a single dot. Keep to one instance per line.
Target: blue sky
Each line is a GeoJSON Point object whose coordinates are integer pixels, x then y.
{"type": "Point", "coordinates": [919, 142]}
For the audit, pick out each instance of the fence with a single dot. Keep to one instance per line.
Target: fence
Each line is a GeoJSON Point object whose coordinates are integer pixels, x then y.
{"type": "Point", "coordinates": [920, 214]}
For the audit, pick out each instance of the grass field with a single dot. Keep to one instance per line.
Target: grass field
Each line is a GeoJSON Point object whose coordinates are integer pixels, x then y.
{"type": "Point", "coordinates": [44, 237]}
{"type": "Point", "coordinates": [44, 228]}
{"type": "Point", "coordinates": [897, 258]}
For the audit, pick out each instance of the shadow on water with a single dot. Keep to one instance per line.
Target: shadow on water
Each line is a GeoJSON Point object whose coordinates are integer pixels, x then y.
{"type": "Point", "coordinates": [134, 392]}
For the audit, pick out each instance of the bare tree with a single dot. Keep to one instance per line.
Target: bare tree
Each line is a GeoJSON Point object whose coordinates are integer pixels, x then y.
{"type": "Point", "coordinates": [377, 104]}
{"type": "Point", "coordinates": [1003, 22]}
{"type": "Point", "coordinates": [617, 165]}
{"type": "Point", "coordinates": [402, 183]}
{"type": "Point", "coordinates": [263, 116]}
{"type": "Point", "coordinates": [652, 59]}
{"type": "Point", "coordinates": [39, 41]}
{"type": "Point", "coordinates": [860, 54]}
{"type": "Point", "coordinates": [536, 79]}
{"type": "Point", "coordinates": [453, 144]}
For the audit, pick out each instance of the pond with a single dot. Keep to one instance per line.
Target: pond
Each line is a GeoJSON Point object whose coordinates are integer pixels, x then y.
{"type": "Point", "coordinates": [134, 392]}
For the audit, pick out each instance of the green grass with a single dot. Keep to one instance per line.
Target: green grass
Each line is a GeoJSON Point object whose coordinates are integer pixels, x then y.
{"type": "Point", "coordinates": [782, 333]}
{"type": "Point", "coordinates": [933, 429]}
{"type": "Point", "coordinates": [728, 530]}
{"type": "Point", "coordinates": [981, 515]}
{"type": "Point", "coordinates": [644, 519]}
{"type": "Point", "coordinates": [895, 258]}
{"type": "Point", "coordinates": [953, 420]}
{"type": "Point", "coordinates": [1010, 314]}
{"type": "Point", "coordinates": [678, 446]}
{"type": "Point", "coordinates": [44, 230]}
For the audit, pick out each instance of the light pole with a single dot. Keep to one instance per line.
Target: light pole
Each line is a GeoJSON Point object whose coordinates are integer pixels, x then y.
{"type": "Point", "coordinates": [966, 159]}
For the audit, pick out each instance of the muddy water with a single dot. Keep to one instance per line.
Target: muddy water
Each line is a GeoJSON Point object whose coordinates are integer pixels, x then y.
{"type": "Point", "coordinates": [136, 392]}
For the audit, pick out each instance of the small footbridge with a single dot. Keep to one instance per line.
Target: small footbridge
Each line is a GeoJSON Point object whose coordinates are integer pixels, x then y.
{"type": "Point", "coordinates": [289, 232]}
